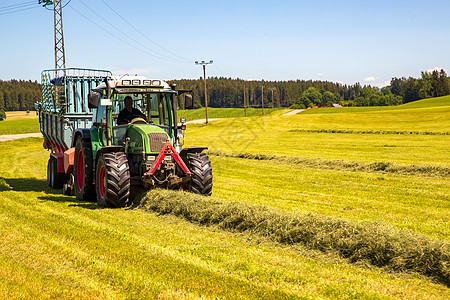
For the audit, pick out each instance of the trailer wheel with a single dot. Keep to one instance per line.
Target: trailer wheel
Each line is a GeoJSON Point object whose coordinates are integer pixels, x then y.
{"type": "Point", "coordinates": [83, 171]}
{"type": "Point", "coordinates": [200, 166]}
{"type": "Point", "coordinates": [55, 180]}
{"type": "Point", "coordinates": [50, 175]}
{"type": "Point", "coordinates": [112, 180]}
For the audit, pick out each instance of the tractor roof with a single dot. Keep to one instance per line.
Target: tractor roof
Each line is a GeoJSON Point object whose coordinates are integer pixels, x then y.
{"type": "Point", "coordinates": [134, 84]}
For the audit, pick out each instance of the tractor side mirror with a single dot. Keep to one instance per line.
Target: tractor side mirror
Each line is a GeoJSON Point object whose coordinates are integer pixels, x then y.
{"type": "Point", "coordinates": [188, 101]}
{"type": "Point", "coordinates": [93, 100]}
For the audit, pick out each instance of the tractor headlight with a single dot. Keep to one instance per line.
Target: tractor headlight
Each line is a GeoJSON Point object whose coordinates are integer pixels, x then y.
{"type": "Point", "coordinates": [126, 82]}
{"type": "Point", "coordinates": [147, 82]}
{"type": "Point", "coordinates": [156, 82]}
{"type": "Point", "coordinates": [136, 82]}
{"type": "Point", "coordinates": [151, 158]}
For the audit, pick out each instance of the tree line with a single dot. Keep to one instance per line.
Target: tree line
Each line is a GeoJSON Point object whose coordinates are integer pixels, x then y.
{"type": "Point", "coordinates": [431, 84]}
{"type": "Point", "coordinates": [228, 92]}
{"type": "Point", "coordinates": [19, 94]}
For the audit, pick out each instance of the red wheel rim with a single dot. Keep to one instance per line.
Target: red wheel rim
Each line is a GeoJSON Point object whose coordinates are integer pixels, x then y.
{"type": "Point", "coordinates": [80, 170]}
{"type": "Point", "coordinates": [101, 182]}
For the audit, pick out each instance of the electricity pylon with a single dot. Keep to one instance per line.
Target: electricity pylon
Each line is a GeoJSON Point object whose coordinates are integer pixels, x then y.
{"type": "Point", "coordinates": [60, 57]}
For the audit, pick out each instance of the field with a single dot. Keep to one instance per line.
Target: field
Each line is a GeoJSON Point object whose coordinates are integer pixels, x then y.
{"type": "Point", "coordinates": [198, 114]}
{"type": "Point", "coordinates": [19, 122]}
{"type": "Point", "coordinates": [382, 173]}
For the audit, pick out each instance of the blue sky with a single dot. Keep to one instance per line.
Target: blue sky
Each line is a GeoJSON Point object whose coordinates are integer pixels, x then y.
{"type": "Point", "coordinates": [344, 41]}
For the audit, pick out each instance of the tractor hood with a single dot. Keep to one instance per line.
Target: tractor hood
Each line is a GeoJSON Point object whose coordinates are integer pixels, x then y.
{"type": "Point", "coordinates": [146, 138]}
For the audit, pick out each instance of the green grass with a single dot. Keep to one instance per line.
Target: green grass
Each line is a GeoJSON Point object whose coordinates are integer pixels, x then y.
{"type": "Point", "coordinates": [420, 204]}
{"type": "Point", "coordinates": [55, 247]}
{"type": "Point", "coordinates": [19, 126]}
{"type": "Point", "coordinates": [310, 134]}
{"type": "Point", "coordinates": [196, 114]}
{"type": "Point", "coordinates": [375, 243]}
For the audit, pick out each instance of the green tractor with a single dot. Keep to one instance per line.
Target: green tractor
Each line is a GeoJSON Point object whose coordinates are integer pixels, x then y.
{"type": "Point", "coordinates": [144, 148]}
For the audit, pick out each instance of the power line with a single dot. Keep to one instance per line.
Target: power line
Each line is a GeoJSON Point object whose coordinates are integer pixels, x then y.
{"type": "Point", "coordinates": [13, 6]}
{"type": "Point", "coordinates": [162, 56]}
{"type": "Point", "coordinates": [145, 36]}
{"type": "Point", "coordinates": [113, 35]}
{"type": "Point", "coordinates": [9, 9]}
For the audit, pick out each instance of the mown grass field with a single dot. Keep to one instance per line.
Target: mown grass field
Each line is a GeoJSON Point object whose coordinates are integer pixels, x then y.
{"type": "Point", "coordinates": [55, 247]}
{"type": "Point", "coordinates": [17, 122]}
{"type": "Point", "coordinates": [198, 114]}
{"type": "Point", "coordinates": [20, 115]}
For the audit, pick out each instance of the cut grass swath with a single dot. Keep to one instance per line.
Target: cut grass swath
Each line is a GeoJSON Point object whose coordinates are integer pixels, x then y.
{"type": "Point", "coordinates": [380, 166]}
{"type": "Point", "coordinates": [378, 244]}
{"type": "Point", "coordinates": [371, 131]}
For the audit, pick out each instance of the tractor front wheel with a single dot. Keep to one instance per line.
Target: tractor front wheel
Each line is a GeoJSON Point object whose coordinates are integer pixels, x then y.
{"type": "Point", "coordinates": [83, 171]}
{"type": "Point", "coordinates": [112, 180]}
{"type": "Point", "coordinates": [201, 181]}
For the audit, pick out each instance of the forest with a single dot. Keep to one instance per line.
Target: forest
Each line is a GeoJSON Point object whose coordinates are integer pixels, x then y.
{"type": "Point", "coordinates": [228, 92]}
{"type": "Point", "coordinates": [19, 94]}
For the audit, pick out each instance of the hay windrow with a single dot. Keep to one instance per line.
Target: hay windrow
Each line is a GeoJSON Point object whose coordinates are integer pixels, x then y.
{"type": "Point", "coordinates": [344, 131]}
{"type": "Point", "coordinates": [354, 166]}
{"type": "Point", "coordinates": [379, 244]}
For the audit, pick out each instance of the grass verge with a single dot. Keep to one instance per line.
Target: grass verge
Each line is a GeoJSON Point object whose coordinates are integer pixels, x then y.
{"type": "Point", "coordinates": [380, 245]}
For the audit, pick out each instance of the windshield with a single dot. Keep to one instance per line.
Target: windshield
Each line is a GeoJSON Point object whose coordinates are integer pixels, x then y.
{"type": "Point", "coordinates": [155, 107]}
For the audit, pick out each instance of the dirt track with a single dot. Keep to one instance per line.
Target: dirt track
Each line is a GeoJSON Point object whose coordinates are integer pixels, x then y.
{"type": "Point", "coordinates": [10, 137]}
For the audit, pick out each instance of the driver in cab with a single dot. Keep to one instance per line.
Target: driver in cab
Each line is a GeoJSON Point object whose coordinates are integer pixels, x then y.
{"type": "Point", "coordinates": [129, 112]}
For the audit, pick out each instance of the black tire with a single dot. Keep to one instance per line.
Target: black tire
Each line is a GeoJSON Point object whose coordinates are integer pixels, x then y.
{"type": "Point", "coordinates": [83, 171]}
{"type": "Point", "coordinates": [201, 181]}
{"type": "Point", "coordinates": [112, 180]}
{"type": "Point", "coordinates": [55, 180]}
{"type": "Point", "coordinates": [50, 170]}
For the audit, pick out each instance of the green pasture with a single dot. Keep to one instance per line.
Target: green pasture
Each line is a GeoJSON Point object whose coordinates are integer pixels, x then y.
{"type": "Point", "coordinates": [55, 247]}
{"type": "Point", "coordinates": [18, 126]}
{"type": "Point", "coordinates": [288, 135]}
{"type": "Point", "coordinates": [197, 114]}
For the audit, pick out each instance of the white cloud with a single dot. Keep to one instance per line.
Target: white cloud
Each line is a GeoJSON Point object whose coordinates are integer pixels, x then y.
{"type": "Point", "coordinates": [382, 85]}
{"type": "Point", "coordinates": [435, 69]}
{"type": "Point", "coordinates": [369, 79]}
{"type": "Point", "coordinates": [319, 74]}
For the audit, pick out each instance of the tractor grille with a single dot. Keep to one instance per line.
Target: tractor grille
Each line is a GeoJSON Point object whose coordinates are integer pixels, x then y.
{"type": "Point", "coordinates": [157, 141]}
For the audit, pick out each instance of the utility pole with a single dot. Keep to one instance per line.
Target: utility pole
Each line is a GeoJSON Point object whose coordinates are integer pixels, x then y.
{"type": "Point", "coordinates": [272, 89]}
{"type": "Point", "coordinates": [204, 63]}
{"type": "Point", "coordinates": [245, 108]}
{"type": "Point", "coordinates": [262, 99]}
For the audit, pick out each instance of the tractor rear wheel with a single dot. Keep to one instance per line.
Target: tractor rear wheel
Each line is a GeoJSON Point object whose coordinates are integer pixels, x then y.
{"type": "Point", "coordinates": [83, 171]}
{"type": "Point", "coordinates": [55, 180]}
{"type": "Point", "coordinates": [112, 180]}
{"type": "Point", "coordinates": [201, 181]}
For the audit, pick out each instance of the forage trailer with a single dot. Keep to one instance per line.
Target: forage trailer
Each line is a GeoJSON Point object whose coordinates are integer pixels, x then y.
{"type": "Point", "coordinates": [99, 159]}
